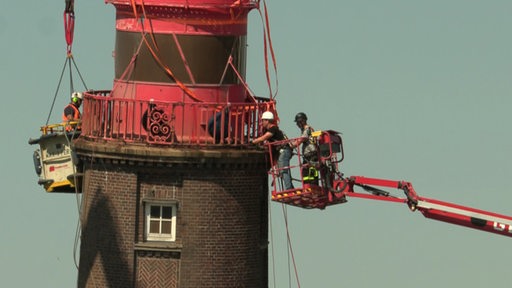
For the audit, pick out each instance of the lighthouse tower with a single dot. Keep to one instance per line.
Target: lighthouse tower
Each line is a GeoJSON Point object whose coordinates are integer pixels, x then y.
{"type": "Point", "coordinates": [172, 194]}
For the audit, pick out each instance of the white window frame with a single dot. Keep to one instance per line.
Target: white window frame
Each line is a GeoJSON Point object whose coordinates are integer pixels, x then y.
{"type": "Point", "coordinates": [160, 236]}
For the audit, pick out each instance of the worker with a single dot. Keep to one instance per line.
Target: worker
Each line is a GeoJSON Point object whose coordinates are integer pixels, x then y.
{"type": "Point", "coordinates": [272, 133]}
{"type": "Point", "coordinates": [309, 151]}
{"type": "Point", "coordinates": [72, 111]}
{"type": "Point", "coordinates": [215, 125]}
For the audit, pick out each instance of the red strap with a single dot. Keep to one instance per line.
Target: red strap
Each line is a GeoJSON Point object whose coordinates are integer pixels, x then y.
{"type": "Point", "coordinates": [155, 55]}
{"type": "Point", "coordinates": [268, 47]}
{"type": "Point", "coordinates": [134, 7]}
{"type": "Point", "coordinates": [274, 62]}
{"type": "Point", "coordinates": [69, 28]}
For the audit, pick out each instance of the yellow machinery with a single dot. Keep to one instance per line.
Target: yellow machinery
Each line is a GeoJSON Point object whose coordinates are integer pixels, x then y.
{"type": "Point", "coordinates": [55, 161]}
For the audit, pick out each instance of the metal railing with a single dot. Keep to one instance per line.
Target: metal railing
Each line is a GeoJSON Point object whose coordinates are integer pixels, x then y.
{"type": "Point", "coordinates": [171, 123]}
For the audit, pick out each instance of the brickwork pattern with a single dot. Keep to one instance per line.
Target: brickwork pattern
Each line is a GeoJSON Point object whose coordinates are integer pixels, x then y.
{"type": "Point", "coordinates": [157, 270]}
{"type": "Point", "coordinates": [221, 233]}
{"type": "Point", "coordinates": [222, 224]}
{"type": "Point", "coordinates": [108, 222]}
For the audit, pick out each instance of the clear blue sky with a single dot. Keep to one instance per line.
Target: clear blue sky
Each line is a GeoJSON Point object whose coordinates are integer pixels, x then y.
{"type": "Point", "coordinates": [420, 89]}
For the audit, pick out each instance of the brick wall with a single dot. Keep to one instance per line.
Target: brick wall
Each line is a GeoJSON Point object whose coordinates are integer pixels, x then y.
{"type": "Point", "coordinates": [108, 225]}
{"type": "Point", "coordinates": [221, 232]}
{"type": "Point", "coordinates": [157, 269]}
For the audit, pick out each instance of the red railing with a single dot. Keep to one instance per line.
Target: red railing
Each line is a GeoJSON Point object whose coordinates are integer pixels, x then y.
{"type": "Point", "coordinates": [171, 123]}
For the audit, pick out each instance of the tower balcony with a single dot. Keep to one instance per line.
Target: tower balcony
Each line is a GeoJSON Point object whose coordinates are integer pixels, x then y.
{"type": "Point", "coordinates": [107, 118]}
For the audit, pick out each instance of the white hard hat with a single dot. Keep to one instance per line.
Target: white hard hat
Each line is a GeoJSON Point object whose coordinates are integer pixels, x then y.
{"type": "Point", "coordinates": [267, 115]}
{"type": "Point", "coordinates": [77, 95]}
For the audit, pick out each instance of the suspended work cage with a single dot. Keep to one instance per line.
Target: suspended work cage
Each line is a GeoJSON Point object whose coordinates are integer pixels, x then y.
{"type": "Point", "coordinates": [54, 160]}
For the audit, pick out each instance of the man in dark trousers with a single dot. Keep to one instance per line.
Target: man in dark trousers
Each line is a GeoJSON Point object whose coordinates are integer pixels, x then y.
{"type": "Point", "coordinates": [272, 133]}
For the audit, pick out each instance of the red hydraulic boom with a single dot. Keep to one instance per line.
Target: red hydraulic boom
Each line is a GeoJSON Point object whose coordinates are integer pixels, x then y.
{"type": "Point", "coordinates": [322, 185]}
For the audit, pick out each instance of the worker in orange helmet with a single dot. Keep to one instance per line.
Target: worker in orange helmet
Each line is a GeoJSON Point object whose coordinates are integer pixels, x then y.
{"type": "Point", "coordinates": [72, 112]}
{"type": "Point", "coordinates": [272, 133]}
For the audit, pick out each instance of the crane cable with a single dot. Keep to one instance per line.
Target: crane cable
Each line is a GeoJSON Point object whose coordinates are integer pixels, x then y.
{"type": "Point", "coordinates": [69, 26]}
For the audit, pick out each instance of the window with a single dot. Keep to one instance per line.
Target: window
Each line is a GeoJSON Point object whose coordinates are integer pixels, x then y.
{"type": "Point", "coordinates": [160, 221]}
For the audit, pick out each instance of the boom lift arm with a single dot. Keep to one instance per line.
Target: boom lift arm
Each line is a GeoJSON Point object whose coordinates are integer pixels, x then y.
{"type": "Point", "coordinates": [431, 208]}
{"type": "Point", "coordinates": [331, 188]}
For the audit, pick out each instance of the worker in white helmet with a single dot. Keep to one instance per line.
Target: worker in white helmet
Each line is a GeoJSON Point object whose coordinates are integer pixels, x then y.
{"type": "Point", "coordinates": [71, 111]}
{"type": "Point", "coordinates": [272, 133]}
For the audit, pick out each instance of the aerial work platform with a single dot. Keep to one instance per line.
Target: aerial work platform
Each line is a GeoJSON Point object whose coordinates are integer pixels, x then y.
{"type": "Point", "coordinates": [54, 160]}
{"type": "Point", "coordinates": [329, 186]}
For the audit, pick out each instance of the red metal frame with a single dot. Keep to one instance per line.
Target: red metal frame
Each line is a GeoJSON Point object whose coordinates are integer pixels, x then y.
{"type": "Point", "coordinates": [176, 112]}
{"type": "Point", "coordinates": [333, 188]}
{"type": "Point", "coordinates": [161, 122]}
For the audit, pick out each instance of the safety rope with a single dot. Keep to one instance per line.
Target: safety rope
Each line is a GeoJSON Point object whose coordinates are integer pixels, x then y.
{"type": "Point", "coordinates": [77, 194]}
{"type": "Point", "coordinates": [79, 203]}
{"type": "Point", "coordinates": [280, 185]}
{"type": "Point", "coordinates": [69, 26]}
{"type": "Point", "coordinates": [272, 247]}
{"type": "Point", "coordinates": [290, 248]}
{"type": "Point", "coordinates": [78, 231]}
{"type": "Point", "coordinates": [69, 141]}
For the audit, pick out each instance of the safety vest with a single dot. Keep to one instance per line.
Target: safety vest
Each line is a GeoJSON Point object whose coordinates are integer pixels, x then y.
{"type": "Point", "coordinates": [310, 174]}
{"type": "Point", "coordinates": [76, 114]}
{"type": "Point", "coordinates": [76, 117]}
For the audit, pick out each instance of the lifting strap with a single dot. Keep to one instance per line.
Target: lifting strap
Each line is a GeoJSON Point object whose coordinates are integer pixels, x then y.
{"type": "Point", "coordinates": [69, 23]}
{"type": "Point", "coordinates": [153, 49]}
{"type": "Point", "coordinates": [267, 37]}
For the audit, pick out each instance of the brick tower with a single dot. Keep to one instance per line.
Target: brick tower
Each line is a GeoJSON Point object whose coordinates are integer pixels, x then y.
{"type": "Point", "coordinates": [172, 195]}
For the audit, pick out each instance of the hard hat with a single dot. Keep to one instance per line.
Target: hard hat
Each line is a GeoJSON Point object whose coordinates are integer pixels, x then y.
{"type": "Point", "coordinates": [77, 95]}
{"type": "Point", "coordinates": [301, 117]}
{"type": "Point", "coordinates": [267, 115]}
